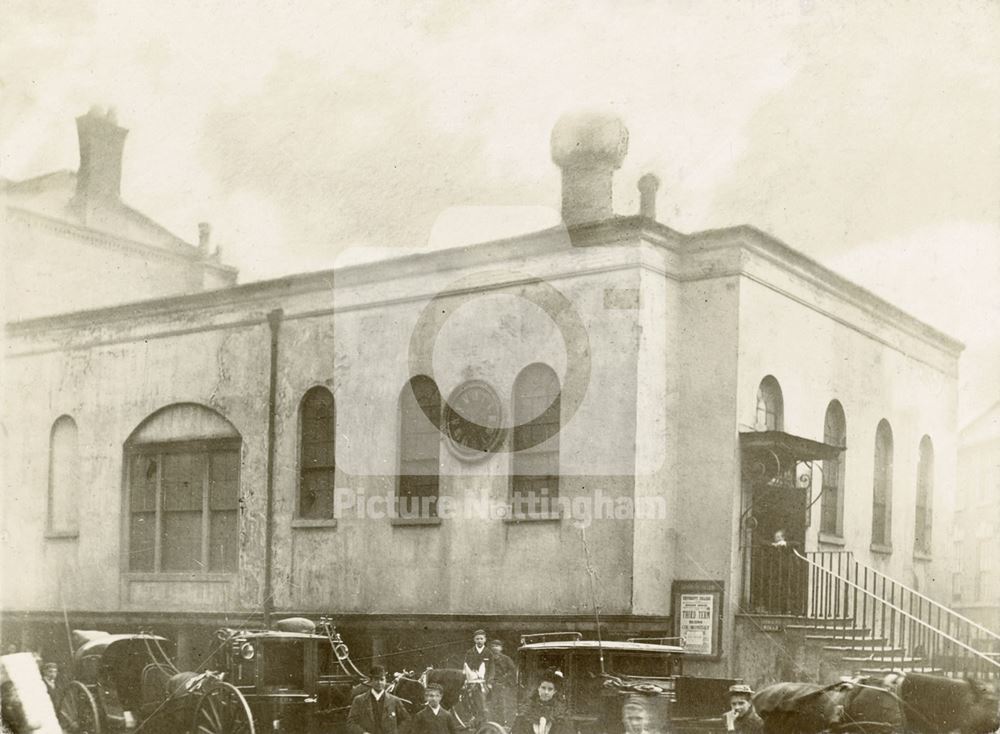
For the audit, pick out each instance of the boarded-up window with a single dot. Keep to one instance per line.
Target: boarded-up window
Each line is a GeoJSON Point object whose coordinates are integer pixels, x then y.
{"type": "Point", "coordinates": [64, 476]}
{"type": "Point", "coordinates": [317, 460]}
{"type": "Point", "coordinates": [882, 486]}
{"type": "Point", "coordinates": [419, 449]}
{"type": "Point", "coordinates": [832, 500]}
{"type": "Point", "coordinates": [925, 492]}
{"type": "Point", "coordinates": [183, 496]}
{"type": "Point", "coordinates": [535, 461]}
{"type": "Point", "coordinates": [770, 406]}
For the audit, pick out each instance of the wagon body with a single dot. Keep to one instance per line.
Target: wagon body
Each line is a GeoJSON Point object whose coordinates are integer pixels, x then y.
{"type": "Point", "coordinates": [603, 678]}
{"type": "Point", "coordinates": [288, 679]}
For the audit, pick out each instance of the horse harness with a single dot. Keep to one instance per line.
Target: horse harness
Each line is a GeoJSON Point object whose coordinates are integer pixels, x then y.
{"type": "Point", "coordinates": [891, 685]}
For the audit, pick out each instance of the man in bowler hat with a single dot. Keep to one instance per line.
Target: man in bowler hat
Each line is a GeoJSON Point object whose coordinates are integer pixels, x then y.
{"type": "Point", "coordinates": [377, 711]}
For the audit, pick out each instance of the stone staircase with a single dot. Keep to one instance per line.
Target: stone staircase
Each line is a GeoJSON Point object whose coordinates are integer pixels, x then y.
{"type": "Point", "coordinates": [875, 625]}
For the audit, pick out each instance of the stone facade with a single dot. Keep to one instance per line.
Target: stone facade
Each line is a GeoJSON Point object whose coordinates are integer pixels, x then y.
{"type": "Point", "coordinates": [659, 341]}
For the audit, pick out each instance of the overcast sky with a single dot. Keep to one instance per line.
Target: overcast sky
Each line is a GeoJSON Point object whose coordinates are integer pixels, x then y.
{"type": "Point", "coordinates": [865, 134]}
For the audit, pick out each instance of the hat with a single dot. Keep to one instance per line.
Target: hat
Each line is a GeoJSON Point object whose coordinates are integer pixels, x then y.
{"type": "Point", "coordinates": [50, 666]}
{"type": "Point", "coordinates": [434, 687]}
{"type": "Point", "coordinates": [496, 642]}
{"type": "Point", "coordinates": [377, 671]}
{"type": "Point", "coordinates": [479, 632]}
{"type": "Point", "coordinates": [740, 689]}
{"type": "Point", "coordinates": [550, 676]}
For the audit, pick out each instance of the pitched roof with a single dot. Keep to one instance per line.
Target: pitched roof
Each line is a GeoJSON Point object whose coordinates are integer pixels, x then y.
{"type": "Point", "coordinates": [51, 195]}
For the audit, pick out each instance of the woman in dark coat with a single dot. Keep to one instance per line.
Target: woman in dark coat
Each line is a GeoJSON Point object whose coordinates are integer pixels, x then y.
{"type": "Point", "coordinates": [543, 704]}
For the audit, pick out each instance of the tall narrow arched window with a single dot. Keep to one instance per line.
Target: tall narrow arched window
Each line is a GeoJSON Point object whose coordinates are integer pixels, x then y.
{"type": "Point", "coordinates": [535, 460]}
{"type": "Point", "coordinates": [419, 449]}
{"type": "Point", "coordinates": [925, 493]}
{"type": "Point", "coordinates": [317, 456]}
{"type": "Point", "coordinates": [832, 500]}
{"type": "Point", "coordinates": [770, 406]}
{"type": "Point", "coordinates": [183, 492]}
{"type": "Point", "coordinates": [64, 477]}
{"type": "Point", "coordinates": [882, 487]}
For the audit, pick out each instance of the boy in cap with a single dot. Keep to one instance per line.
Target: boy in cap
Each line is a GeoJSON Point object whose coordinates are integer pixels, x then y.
{"type": "Point", "coordinates": [434, 718]}
{"type": "Point", "coordinates": [478, 663]}
{"type": "Point", "coordinates": [741, 716]}
{"type": "Point", "coordinates": [501, 685]}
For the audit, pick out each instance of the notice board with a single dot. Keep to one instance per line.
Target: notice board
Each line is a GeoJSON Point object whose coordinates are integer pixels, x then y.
{"type": "Point", "coordinates": [697, 611]}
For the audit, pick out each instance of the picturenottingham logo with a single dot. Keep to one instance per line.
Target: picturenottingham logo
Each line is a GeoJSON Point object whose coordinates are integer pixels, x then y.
{"type": "Point", "coordinates": [582, 509]}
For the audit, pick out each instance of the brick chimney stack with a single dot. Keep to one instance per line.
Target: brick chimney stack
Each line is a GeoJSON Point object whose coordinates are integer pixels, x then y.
{"type": "Point", "coordinates": [589, 147]}
{"type": "Point", "coordinates": [99, 179]}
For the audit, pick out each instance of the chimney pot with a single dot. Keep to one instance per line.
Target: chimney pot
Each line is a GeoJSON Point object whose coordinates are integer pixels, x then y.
{"type": "Point", "coordinates": [204, 236]}
{"type": "Point", "coordinates": [589, 147]}
{"type": "Point", "coordinates": [648, 186]}
{"type": "Point", "coordinates": [101, 144]}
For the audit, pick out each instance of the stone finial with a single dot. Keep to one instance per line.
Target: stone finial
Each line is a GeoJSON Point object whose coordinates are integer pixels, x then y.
{"type": "Point", "coordinates": [648, 186]}
{"type": "Point", "coordinates": [589, 147]}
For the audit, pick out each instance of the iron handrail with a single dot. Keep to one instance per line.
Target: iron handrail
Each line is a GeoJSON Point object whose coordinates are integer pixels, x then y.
{"type": "Point", "coordinates": [961, 619]}
{"type": "Point", "coordinates": [902, 612]}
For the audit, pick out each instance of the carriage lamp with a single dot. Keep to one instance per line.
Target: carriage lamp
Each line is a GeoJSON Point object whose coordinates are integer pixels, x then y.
{"type": "Point", "coordinates": [247, 651]}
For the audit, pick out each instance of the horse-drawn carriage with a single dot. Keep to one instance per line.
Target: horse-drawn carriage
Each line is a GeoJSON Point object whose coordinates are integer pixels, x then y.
{"type": "Point", "coordinates": [610, 687]}
{"type": "Point", "coordinates": [296, 677]}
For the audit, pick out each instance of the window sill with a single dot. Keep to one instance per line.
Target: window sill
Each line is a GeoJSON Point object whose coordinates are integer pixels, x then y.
{"type": "Point", "coordinates": [882, 549]}
{"type": "Point", "coordinates": [828, 539]}
{"type": "Point", "coordinates": [414, 521]}
{"type": "Point", "coordinates": [919, 555]}
{"type": "Point", "coordinates": [62, 534]}
{"type": "Point", "coordinates": [205, 578]}
{"type": "Point", "coordinates": [314, 522]}
{"type": "Point", "coordinates": [555, 516]}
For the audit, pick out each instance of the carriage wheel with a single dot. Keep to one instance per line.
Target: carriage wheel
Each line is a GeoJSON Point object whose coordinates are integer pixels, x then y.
{"type": "Point", "coordinates": [222, 710]}
{"type": "Point", "coordinates": [491, 727]}
{"type": "Point", "coordinates": [78, 710]}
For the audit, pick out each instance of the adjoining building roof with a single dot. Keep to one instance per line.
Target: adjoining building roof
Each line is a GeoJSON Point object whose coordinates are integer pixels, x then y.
{"type": "Point", "coordinates": [51, 195]}
{"type": "Point", "coordinates": [983, 428]}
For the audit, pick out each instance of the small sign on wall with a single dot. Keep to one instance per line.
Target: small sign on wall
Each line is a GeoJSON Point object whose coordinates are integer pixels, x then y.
{"type": "Point", "coordinates": [697, 607]}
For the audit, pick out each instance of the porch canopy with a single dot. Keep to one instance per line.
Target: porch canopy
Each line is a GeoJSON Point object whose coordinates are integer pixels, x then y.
{"type": "Point", "coordinates": [769, 454]}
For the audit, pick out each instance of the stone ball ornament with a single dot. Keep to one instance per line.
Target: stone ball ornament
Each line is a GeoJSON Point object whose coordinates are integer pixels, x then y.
{"type": "Point", "coordinates": [474, 420]}
{"type": "Point", "coordinates": [587, 139]}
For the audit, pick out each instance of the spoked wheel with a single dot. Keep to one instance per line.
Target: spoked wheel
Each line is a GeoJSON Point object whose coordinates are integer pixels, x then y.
{"type": "Point", "coordinates": [78, 710]}
{"type": "Point", "coordinates": [491, 727]}
{"type": "Point", "coordinates": [222, 709]}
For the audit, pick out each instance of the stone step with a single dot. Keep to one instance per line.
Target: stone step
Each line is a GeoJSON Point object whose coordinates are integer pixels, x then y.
{"type": "Point", "coordinates": [866, 649]}
{"type": "Point", "coordinates": [845, 635]}
{"type": "Point", "coordinates": [828, 628]}
{"type": "Point", "coordinates": [894, 660]}
{"type": "Point", "coordinates": [903, 669]}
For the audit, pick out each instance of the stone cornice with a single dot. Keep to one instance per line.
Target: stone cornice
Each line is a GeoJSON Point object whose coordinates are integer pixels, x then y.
{"type": "Point", "coordinates": [694, 257]}
{"type": "Point", "coordinates": [110, 241]}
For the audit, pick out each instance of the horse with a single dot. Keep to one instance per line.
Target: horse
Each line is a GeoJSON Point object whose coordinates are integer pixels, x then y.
{"type": "Point", "coordinates": [913, 702]}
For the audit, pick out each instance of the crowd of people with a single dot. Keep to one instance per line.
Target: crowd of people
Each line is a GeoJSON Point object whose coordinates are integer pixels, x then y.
{"type": "Point", "coordinates": [377, 711]}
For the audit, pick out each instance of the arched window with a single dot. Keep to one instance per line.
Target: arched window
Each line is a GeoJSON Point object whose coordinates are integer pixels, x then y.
{"type": "Point", "coordinates": [419, 449]}
{"type": "Point", "coordinates": [317, 458]}
{"type": "Point", "coordinates": [770, 406]}
{"type": "Point", "coordinates": [64, 477]}
{"type": "Point", "coordinates": [925, 492]}
{"type": "Point", "coordinates": [535, 461]}
{"type": "Point", "coordinates": [832, 501]}
{"type": "Point", "coordinates": [183, 484]}
{"type": "Point", "coordinates": [882, 490]}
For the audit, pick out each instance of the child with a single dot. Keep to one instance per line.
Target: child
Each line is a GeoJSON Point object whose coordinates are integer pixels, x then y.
{"type": "Point", "coordinates": [433, 718]}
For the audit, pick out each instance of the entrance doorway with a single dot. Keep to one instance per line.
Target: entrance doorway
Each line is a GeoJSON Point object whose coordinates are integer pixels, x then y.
{"type": "Point", "coordinates": [777, 486]}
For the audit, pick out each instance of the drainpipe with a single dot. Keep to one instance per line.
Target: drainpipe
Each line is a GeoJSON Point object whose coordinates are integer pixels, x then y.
{"type": "Point", "coordinates": [274, 322]}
